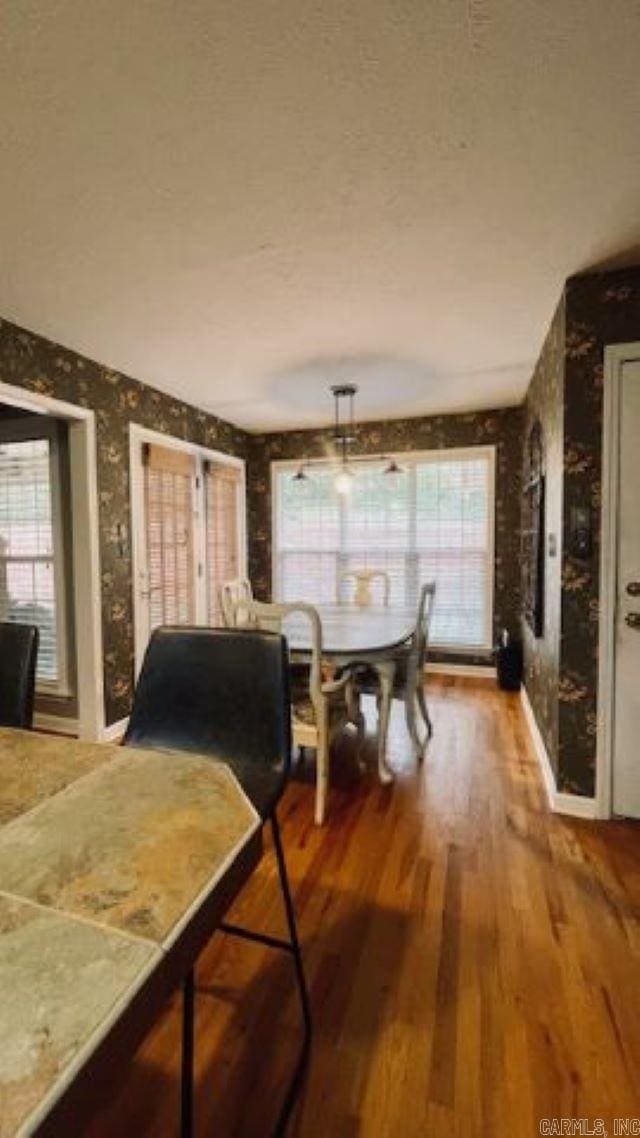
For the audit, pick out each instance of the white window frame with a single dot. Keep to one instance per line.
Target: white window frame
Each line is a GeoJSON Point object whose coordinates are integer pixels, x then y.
{"type": "Point", "coordinates": [85, 541]}
{"type": "Point", "coordinates": [441, 455]}
{"type": "Point", "coordinates": [31, 430]}
{"type": "Point", "coordinates": [138, 436]}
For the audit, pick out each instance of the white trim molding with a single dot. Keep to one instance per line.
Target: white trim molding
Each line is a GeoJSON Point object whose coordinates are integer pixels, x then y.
{"type": "Point", "coordinates": [85, 549]}
{"type": "Point", "coordinates": [479, 671]}
{"type": "Point", "coordinates": [575, 805]}
{"type": "Point", "coordinates": [36, 428]}
{"type": "Point", "coordinates": [65, 725]}
{"type": "Point", "coordinates": [615, 357]}
{"type": "Point", "coordinates": [56, 724]}
{"type": "Point", "coordinates": [114, 732]}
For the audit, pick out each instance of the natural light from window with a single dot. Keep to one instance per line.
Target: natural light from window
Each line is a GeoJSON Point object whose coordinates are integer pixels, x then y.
{"type": "Point", "coordinates": [27, 570]}
{"type": "Point", "coordinates": [433, 520]}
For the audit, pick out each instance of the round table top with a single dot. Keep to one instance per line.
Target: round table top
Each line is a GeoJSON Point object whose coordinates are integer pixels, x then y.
{"type": "Point", "coordinates": [349, 630]}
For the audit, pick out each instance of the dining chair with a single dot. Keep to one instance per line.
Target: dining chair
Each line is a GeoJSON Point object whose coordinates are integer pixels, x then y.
{"type": "Point", "coordinates": [18, 659]}
{"type": "Point", "coordinates": [225, 693]}
{"type": "Point", "coordinates": [410, 671]}
{"type": "Point", "coordinates": [238, 589]}
{"type": "Point", "coordinates": [362, 580]}
{"type": "Point", "coordinates": [321, 705]}
{"type": "Point", "coordinates": [408, 684]}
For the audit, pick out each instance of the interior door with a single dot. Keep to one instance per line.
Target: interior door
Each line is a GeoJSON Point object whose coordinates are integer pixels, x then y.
{"type": "Point", "coordinates": [626, 751]}
{"type": "Point", "coordinates": [189, 530]}
{"type": "Point", "coordinates": [168, 576]}
{"type": "Point", "coordinates": [223, 536]}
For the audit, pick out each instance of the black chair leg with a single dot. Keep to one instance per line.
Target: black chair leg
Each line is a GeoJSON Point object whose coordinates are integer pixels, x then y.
{"type": "Point", "coordinates": [188, 1010]}
{"type": "Point", "coordinates": [294, 1085]}
{"type": "Point", "coordinates": [291, 946]}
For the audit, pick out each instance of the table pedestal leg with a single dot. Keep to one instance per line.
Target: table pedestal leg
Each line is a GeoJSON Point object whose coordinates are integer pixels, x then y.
{"type": "Point", "coordinates": [386, 670]}
{"type": "Point", "coordinates": [356, 717]}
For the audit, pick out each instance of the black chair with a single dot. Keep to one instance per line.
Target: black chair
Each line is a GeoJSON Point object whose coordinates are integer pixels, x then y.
{"type": "Point", "coordinates": [225, 693]}
{"type": "Point", "coordinates": [18, 658]}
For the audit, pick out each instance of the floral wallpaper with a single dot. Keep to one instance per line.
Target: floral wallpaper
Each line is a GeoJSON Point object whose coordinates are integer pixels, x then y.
{"type": "Point", "coordinates": [561, 669]}
{"type": "Point", "coordinates": [565, 394]}
{"type": "Point", "coordinates": [30, 361]}
{"type": "Point", "coordinates": [601, 309]}
{"type": "Point", "coordinates": [502, 428]}
{"type": "Point", "coordinates": [544, 403]}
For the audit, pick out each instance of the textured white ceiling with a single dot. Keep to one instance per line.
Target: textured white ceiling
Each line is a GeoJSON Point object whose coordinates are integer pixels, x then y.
{"type": "Point", "coordinates": [242, 201]}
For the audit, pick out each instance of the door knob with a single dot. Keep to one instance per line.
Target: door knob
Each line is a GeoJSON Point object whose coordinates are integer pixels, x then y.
{"type": "Point", "coordinates": [633, 588]}
{"type": "Point", "coordinates": [632, 619]}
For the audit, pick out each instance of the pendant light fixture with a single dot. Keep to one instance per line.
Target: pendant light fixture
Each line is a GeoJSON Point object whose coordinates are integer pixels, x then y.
{"type": "Point", "coordinates": [344, 436]}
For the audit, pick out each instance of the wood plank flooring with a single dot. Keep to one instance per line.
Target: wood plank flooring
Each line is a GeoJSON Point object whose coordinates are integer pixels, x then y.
{"type": "Point", "coordinates": [474, 961]}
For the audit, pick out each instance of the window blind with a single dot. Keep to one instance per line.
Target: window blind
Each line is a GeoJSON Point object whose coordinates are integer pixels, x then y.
{"type": "Point", "coordinates": [169, 477]}
{"type": "Point", "coordinates": [28, 547]}
{"type": "Point", "coordinates": [434, 520]}
{"type": "Point", "coordinates": [222, 484]}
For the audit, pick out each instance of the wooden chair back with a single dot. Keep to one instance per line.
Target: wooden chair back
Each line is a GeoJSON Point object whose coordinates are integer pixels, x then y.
{"type": "Point", "coordinates": [270, 617]}
{"type": "Point", "coordinates": [231, 593]}
{"type": "Point", "coordinates": [363, 579]}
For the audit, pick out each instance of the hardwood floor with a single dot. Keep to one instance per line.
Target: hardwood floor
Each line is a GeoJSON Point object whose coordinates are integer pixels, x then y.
{"type": "Point", "coordinates": [474, 961]}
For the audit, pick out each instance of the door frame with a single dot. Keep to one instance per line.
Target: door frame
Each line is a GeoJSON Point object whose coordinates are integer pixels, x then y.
{"type": "Point", "coordinates": [87, 591]}
{"type": "Point", "coordinates": [615, 357]}
{"type": "Point", "coordinates": [138, 435]}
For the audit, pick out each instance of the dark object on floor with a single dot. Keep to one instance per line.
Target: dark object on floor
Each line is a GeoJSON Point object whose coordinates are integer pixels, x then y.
{"type": "Point", "coordinates": [225, 693]}
{"type": "Point", "coordinates": [18, 658]}
{"type": "Point", "coordinates": [509, 665]}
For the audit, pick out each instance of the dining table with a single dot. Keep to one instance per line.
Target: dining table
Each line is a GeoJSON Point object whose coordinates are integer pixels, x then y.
{"type": "Point", "coordinates": [116, 867]}
{"type": "Point", "coordinates": [356, 634]}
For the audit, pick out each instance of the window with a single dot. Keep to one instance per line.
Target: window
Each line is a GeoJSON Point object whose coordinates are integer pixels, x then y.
{"type": "Point", "coordinates": [433, 520]}
{"type": "Point", "coordinates": [32, 577]}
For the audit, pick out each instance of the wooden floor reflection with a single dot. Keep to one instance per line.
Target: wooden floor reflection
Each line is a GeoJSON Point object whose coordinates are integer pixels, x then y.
{"type": "Point", "coordinates": [473, 960]}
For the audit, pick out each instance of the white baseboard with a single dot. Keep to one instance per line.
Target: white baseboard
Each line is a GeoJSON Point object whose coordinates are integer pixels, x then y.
{"type": "Point", "coordinates": [542, 756]}
{"type": "Point", "coordinates": [114, 732]}
{"type": "Point", "coordinates": [575, 805]}
{"type": "Point", "coordinates": [60, 724]}
{"type": "Point", "coordinates": [479, 670]}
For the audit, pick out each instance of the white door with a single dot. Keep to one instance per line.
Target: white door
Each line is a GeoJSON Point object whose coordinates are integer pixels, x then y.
{"type": "Point", "coordinates": [626, 750]}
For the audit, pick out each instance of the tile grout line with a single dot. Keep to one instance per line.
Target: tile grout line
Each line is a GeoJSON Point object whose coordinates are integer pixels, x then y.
{"type": "Point", "coordinates": [164, 945]}
{"type": "Point", "coordinates": [68, 787]}
{"type": "Point", "coordinates": [83, 920]}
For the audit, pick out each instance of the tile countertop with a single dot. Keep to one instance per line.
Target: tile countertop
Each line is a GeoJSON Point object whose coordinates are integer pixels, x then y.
{"type": "Point", "coordinates": [106, 854]}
